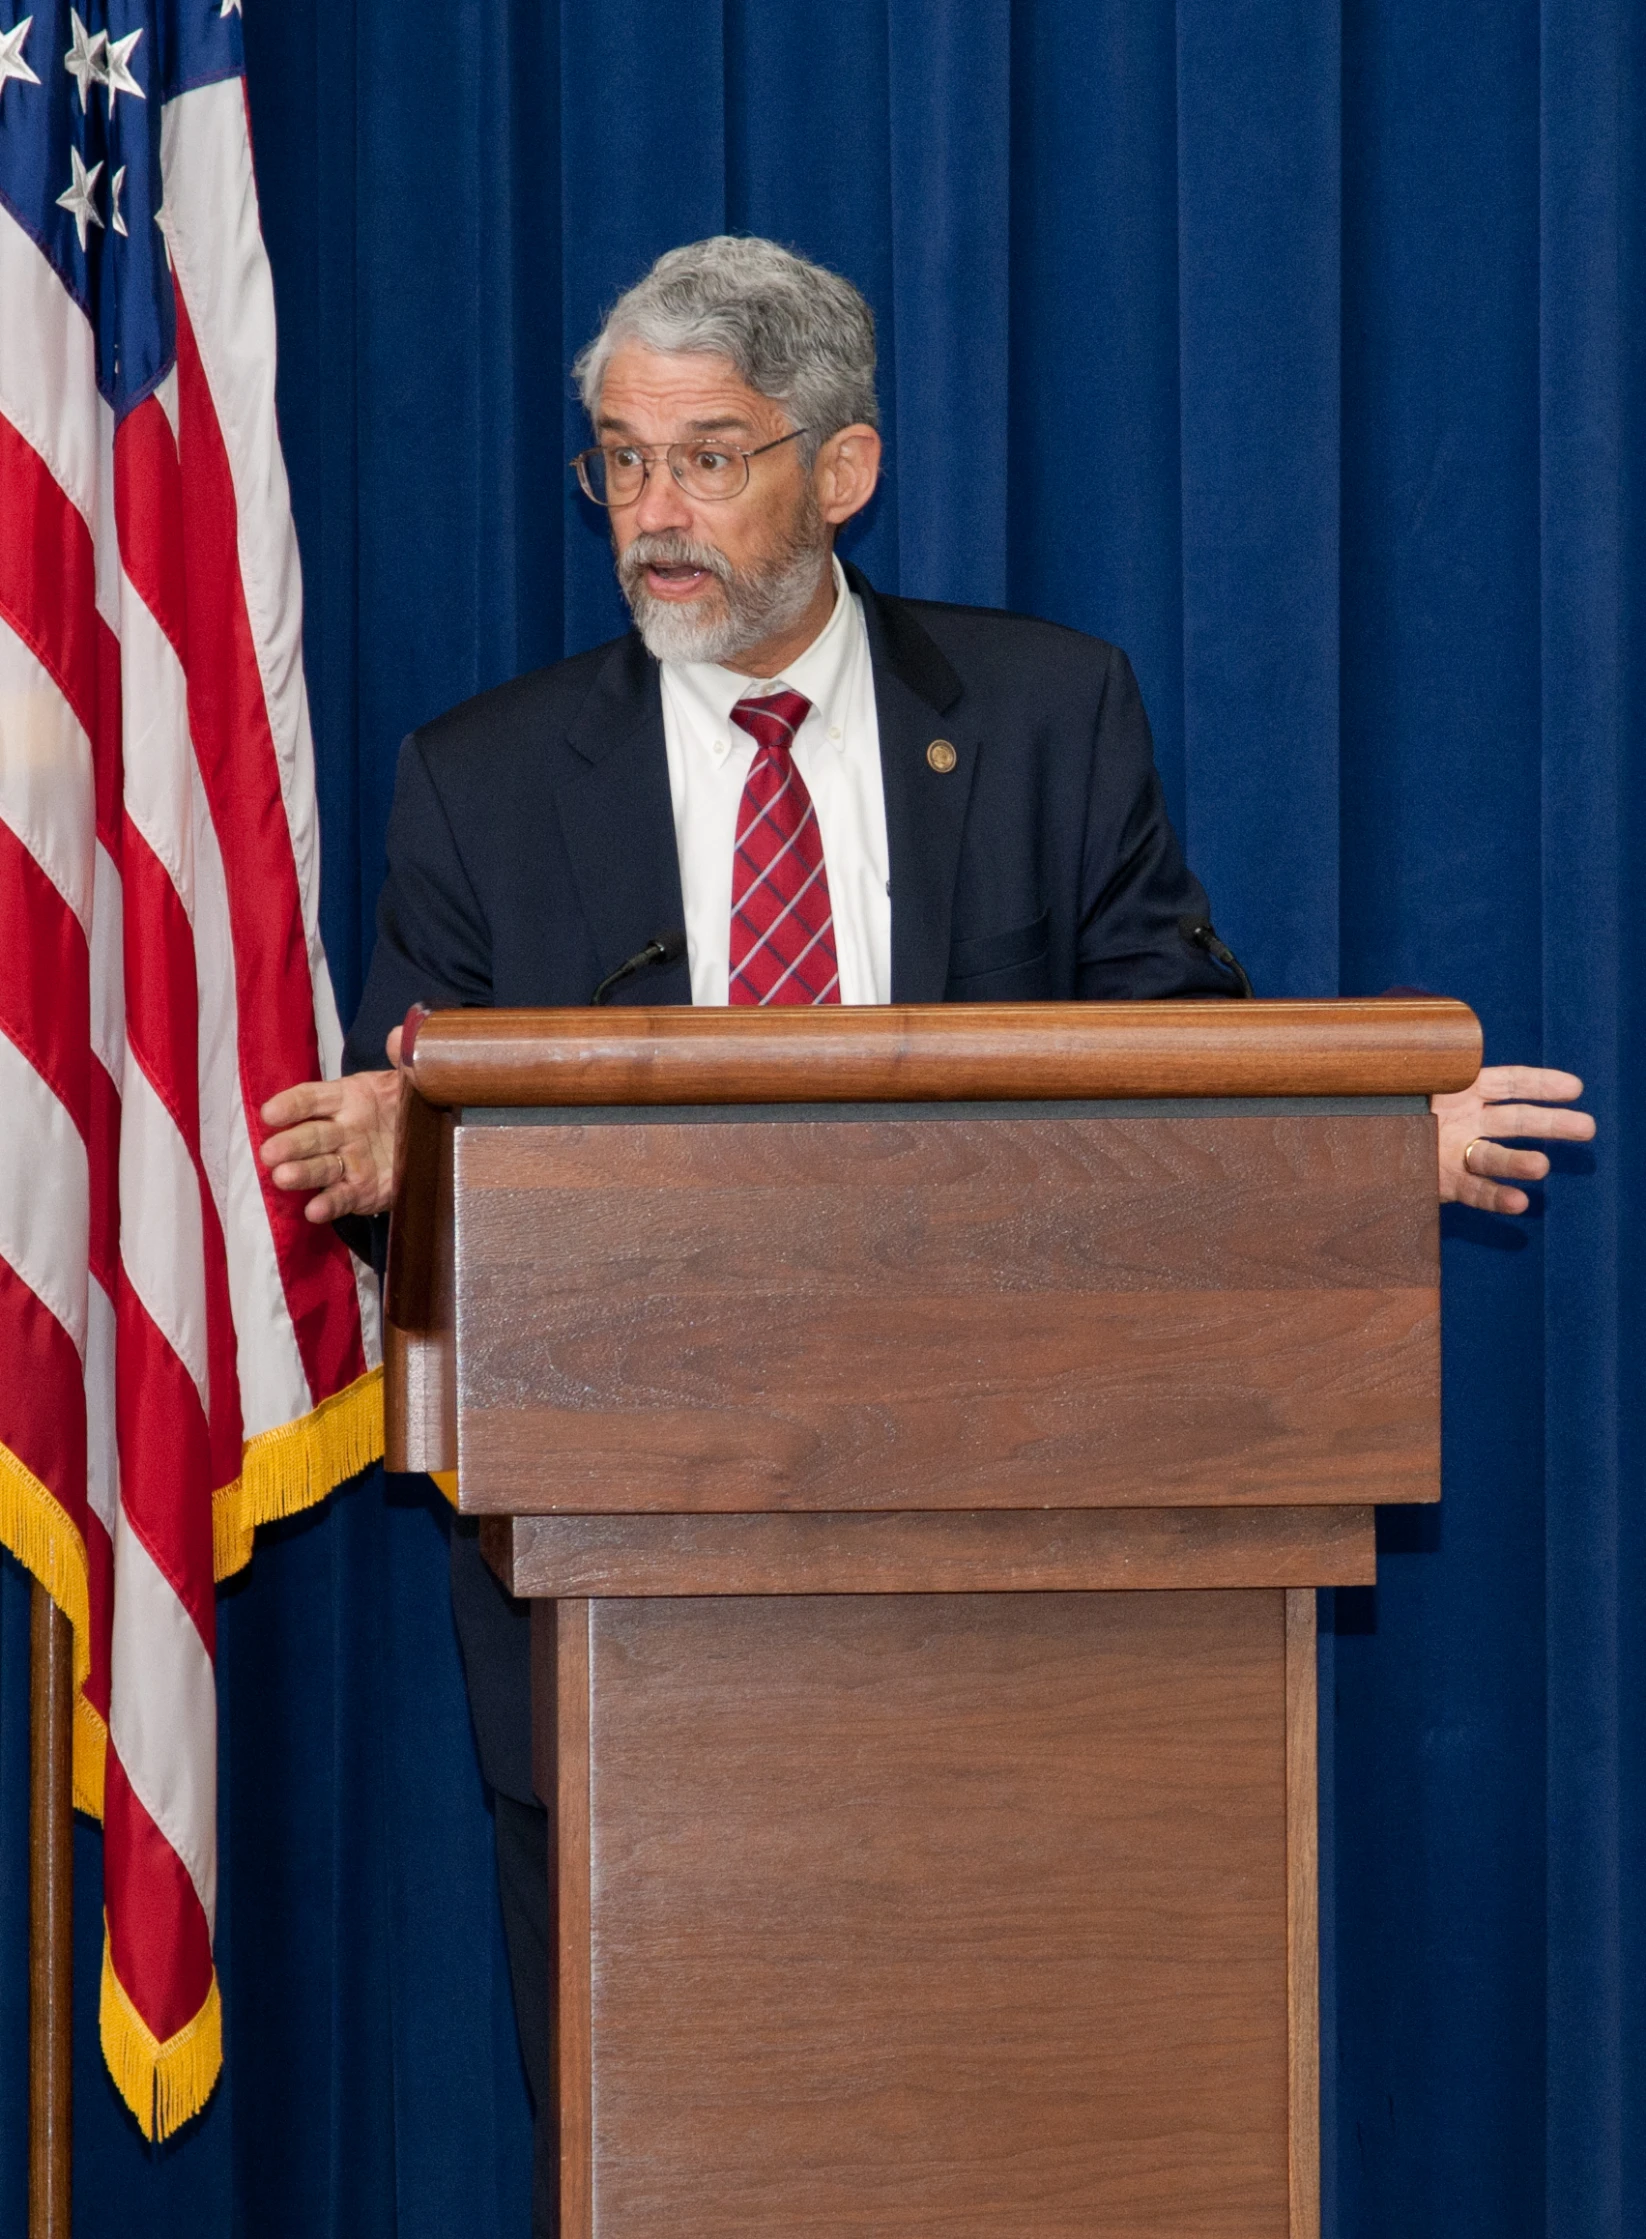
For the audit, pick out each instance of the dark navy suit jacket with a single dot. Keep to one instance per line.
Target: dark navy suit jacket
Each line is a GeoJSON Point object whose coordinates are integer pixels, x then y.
{"type": "Point", "coordinates": [531, 849]}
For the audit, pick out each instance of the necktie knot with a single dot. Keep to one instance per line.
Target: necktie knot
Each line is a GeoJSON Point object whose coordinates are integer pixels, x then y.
{"type": "Point", "coordinates": [773, 721]}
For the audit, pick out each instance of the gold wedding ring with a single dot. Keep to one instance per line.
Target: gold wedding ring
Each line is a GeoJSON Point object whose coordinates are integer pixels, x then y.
{"type": "Point", "coordinates": [1467, 1148]}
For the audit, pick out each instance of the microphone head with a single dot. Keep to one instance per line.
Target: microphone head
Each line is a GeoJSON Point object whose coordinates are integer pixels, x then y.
{"type": "Point", "coordinates": [671, 947]}
{"type": "Point", "coordinates": [1196, 931]}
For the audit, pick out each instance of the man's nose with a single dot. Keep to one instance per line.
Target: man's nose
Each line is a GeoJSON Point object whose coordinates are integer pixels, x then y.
{"type": "Point", "coordinates": [662, 504]}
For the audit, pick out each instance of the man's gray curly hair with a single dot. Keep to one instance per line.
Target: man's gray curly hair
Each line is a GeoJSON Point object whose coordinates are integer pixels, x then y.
{"type": "Point", "coordinates": [795, 331]}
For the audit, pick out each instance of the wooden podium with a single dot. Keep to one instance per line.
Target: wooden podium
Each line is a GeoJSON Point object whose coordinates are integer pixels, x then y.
{"type": "Point", "coordinates": [922, 1432]}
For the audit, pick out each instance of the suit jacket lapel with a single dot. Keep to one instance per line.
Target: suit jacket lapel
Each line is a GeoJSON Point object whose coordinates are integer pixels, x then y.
{"type": "Point", "coordinates": [918, 700]}
{"type": "Point", "coordinates": [612, 793]}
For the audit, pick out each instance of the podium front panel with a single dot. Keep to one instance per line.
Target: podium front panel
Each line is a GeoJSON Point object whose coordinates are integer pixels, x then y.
{"type": "Point", "coordinates": [944, 1307]}
{"type": "Point", "coordinates": [925, 1917]}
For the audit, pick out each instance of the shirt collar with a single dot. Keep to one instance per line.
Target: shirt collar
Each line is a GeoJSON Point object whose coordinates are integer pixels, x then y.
{"type": "Point", "coordinates": [820, 673]}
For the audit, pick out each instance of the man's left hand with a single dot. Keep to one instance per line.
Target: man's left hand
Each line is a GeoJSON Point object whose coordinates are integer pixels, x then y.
{"type": "Point", "coordinates": [1504, 1101]}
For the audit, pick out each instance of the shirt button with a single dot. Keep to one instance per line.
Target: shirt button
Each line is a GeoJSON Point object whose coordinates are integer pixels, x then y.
{"type": "Point", "coordinates": [834, 730]}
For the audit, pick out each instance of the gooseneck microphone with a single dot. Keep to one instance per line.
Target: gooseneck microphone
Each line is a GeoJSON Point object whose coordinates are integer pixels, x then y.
{"type": "Point", "coordinates": [662, 948]}
{"type": "Point", "coordinates": [1200, 933]}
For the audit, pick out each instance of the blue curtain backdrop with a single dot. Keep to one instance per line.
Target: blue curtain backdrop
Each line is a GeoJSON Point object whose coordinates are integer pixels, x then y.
{"type": "Point", "coordinates": [1302, 350]}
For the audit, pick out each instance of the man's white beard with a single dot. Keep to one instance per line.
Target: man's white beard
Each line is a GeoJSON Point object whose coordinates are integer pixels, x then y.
{"type": "Point", "coordinates": [754, 604]}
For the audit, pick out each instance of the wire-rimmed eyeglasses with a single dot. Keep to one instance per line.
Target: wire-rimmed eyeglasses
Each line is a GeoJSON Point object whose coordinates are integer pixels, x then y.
{"type": "Point", "coordinates": [615, 473]}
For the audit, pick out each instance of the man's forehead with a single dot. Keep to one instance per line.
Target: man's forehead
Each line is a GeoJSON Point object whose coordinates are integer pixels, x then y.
{"type": "Point", "coordinates": [696, 389]}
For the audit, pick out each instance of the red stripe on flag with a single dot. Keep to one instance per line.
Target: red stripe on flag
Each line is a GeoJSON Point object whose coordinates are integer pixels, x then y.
{"type": "Point", "coordinates": [228, 719]}
{"type": "Point", "coordinates": [45, 978]}
{"type": "Point", "coordinates": [158, 1939]}
{"type": "Point", "coordinates": [165, 1459]}
{"type": "Point", "coordinates": [42, 1394]}
{"type": "Point", "coordinates": [48, 574]}
{"type": "Point", "coordinates": [99, 1588]}
{"type": "Point", "coordinates": [148, 515]}
{"type": "Point", "coordinates": [222, 1354]}
{"type": "Point", "coordinates": [162, 993]}
{"type": "Point", "coordinates": [162, 1030]}
{"type": "Point", "coordinates": [100, 1600]}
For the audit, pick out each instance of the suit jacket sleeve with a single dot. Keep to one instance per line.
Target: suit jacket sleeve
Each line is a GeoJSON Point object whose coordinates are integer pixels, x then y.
{"type": "Point", "coordinates": [434, 944]}
{"type": "Point", "coordinates": [1135, 884]}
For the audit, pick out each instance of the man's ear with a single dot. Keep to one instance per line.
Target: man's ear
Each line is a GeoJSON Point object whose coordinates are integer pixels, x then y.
{"type": "Point", "coordinates": [847, 469]}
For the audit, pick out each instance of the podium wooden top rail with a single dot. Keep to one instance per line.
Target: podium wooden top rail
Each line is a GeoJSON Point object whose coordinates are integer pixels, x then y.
{"type": "Point", "coordinates": [941, 1052]}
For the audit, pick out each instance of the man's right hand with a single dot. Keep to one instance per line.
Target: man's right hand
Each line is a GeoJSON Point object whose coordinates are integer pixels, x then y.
{"type": "Point", "coordinates": [335, 1139]}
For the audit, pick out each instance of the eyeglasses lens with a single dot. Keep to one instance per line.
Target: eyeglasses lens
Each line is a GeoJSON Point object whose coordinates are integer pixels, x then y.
{"type": "Point", "coordinates": [615, 474]}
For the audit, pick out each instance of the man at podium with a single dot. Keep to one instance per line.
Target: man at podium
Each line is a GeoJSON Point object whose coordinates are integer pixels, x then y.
{"type": "Point", "coordinates": [779, 787]}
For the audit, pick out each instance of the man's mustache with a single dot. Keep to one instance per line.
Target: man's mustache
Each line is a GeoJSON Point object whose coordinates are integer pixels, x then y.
{"type": "Point", "coordinates": [667, 549]}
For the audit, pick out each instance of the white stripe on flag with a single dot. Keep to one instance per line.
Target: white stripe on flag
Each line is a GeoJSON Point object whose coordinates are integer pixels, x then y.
{"type": "Point", "coordinates": [108, 967]}
{"type": "Point", "coordinates": [160, 765]}
{"type": "Point", "coordinates": [163, 1711]}
{"type": "Point", "coordinates": [45, 773]}
{"type": "Point", "coordinates": [108, 538]}
{"type": "Point", "coordinates": [48, 367]}
{"type": "Point", "coordinates": [45, 1202]}
{"type": "Point", "coordinates": [162, 1233]}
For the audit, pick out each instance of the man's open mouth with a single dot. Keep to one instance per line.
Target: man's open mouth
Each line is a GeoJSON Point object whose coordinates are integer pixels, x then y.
{"type": "Point", "coordinates": [675, 578]}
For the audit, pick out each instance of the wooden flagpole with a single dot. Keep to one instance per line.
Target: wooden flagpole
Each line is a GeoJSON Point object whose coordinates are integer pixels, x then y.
{"type": "Point", "coordinates": [51, 1915]}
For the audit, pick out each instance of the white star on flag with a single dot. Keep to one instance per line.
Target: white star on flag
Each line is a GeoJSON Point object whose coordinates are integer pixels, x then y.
{"type": "Point", "coordinates": [12, 64]}
{"type": "Point", "coordinates": [117, 74]}
{"type": "Point", "coordinates": [115, 184]}
{"type": "Point", "coordinates": [76, 199]}
{"type": "Point", "coordinates": [230, 8]}
{"type": "Point", "coordinates": [86, 61]}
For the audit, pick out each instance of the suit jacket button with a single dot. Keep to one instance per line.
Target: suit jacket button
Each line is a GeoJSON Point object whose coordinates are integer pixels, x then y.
{"type": "Point", "coordinates": [941, 756]}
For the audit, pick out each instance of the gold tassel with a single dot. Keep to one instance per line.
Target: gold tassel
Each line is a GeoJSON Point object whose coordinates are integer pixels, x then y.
{"type": "Point", "coordinates": [293, 1466]}
{"type": "Point", "coordinates": [162, 2084]}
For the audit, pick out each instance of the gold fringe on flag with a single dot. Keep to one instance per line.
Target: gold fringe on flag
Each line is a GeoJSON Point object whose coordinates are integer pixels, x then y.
{"type": "Point", "coordinates": [39, 1531]}
{"type": "Point", "coordinates": [162, 2083]}
{"type": "Point", "coordinates": [91, 1747]}
{"type": "Point", "coordinates": [446, 1479]}
{"type": "Point", "coordinates": [293, 1466]}
{"type": "Point", "coordinates": [282, 1471]}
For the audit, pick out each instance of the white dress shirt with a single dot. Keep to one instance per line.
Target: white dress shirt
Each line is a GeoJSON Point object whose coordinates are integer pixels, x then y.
{"type": "Point", "coordinates": [836, 751]}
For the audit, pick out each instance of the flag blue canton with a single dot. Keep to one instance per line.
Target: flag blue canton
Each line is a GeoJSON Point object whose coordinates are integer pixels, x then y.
{"type": "Point", "coordinates": [81, 95]}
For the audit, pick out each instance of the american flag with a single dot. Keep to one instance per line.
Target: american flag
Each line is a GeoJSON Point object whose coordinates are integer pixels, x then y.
{"type": "Point", "coordinates": [181, 1355]}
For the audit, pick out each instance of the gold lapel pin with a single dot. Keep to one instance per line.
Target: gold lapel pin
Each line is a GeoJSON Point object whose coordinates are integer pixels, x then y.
{"type": "Point", "coordinates": [942, 756]}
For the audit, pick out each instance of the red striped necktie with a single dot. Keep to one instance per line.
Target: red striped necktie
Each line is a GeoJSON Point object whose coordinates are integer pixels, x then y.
{"type": "Point", "coordinates": [782, 944]}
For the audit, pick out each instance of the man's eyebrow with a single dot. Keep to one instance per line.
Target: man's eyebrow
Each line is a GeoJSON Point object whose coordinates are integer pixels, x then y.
{"type": "Point", "coordinates": [725, 423]}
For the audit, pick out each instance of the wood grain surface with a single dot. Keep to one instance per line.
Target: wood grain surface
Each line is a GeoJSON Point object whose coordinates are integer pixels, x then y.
{"type": "Point", "coordinates": [686, 1055]}
{"type": "Point", "coordinates": [1118, 1311]}
{"type": "Point", "coordinates": [419, 1332]}
{"type": "Point", "coordinates": [1303, 1912]}
{"type": "Point", "coordinates": [567, 1717]}
{"type": "Point", "coordinates": [920, 1916]}
{"type": "Point", "coordinates": [981, 1552]}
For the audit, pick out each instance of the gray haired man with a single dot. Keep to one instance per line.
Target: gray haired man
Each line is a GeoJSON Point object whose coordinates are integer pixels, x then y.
{"type": "Point", "coordinates": [837, 795]}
